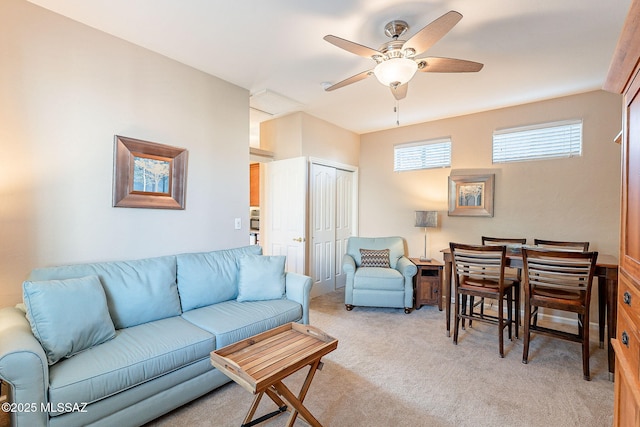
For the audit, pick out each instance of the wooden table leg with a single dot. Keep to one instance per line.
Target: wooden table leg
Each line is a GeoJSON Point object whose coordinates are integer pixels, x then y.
{"type": "Point", "coordinates": [447, 293]}
{"type": "Point", "coordinates": [249, 421]}
{"type": "Point", "coordinates": [440, 292]}
{"type": "Point", "coordinates": [602, 308]}
{"type": "Point", "coordinates": [252, 409]}
{"type": "Point", "coordinates": [271, 392]}
{"type": "Point", "coordinates": [296, 402]}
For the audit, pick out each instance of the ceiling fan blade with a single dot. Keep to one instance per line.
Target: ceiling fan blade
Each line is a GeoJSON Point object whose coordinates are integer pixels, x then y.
{"type": "Point", "coordinates": [400, 91]}
{"type": "Point", "coordinates": [361, 76]}
{"type": "Point", "coordinates": [447, 65]}
{"type": "Point", "coordinates": [352, 47]}
{"type": "Point", "coordinates": [429, 35]}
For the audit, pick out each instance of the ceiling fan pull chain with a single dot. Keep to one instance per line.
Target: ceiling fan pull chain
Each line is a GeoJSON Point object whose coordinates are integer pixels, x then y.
{"type": "Point", "coordinates": [397, 111]}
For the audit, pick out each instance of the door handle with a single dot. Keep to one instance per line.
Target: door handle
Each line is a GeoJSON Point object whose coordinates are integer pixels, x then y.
{"type": "Point", "coordinates": [299, 239]}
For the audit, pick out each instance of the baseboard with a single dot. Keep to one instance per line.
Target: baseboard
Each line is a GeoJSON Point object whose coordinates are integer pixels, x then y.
{"type": "Point", "coordinates": [552, 318]}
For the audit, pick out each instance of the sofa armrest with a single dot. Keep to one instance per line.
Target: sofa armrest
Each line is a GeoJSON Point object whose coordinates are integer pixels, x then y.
{"type": "Point", "coordinates": [298, 289]}
{"type": "Point", "coordinates": [23, 365]}
{"type": "Point", "coordinates": [348, 264]}
{"type": "Point", "coordinates": [408, 270]}
{"type": "Point", "coordinates": [406, 267]}
{"type": "Point", "coordinates": [349, 269]}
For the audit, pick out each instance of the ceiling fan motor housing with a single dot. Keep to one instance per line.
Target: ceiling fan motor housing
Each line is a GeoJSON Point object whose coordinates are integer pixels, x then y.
{"type": "Point", "coordinates": [393, 49]}
{"type": "Point", "coordinates": [395, 29]}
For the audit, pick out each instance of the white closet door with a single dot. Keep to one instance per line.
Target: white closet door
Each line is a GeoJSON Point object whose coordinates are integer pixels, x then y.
{"type": "Point", "coordinates": [345, 215]}
{"type": "Point", "coordinates": [331, 224]}
{"type": "Point", "coordinates": [323, 229]}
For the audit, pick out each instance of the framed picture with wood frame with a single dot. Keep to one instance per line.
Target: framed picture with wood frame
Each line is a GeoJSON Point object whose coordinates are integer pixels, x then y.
{"type": "Point", "coordinates": [148, 175]}
{"type": "Point", "coordinates": [471, 195]}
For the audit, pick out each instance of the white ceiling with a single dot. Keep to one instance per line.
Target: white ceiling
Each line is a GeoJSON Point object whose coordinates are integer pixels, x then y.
{"type": "Point", "coordinates": [532, 49]}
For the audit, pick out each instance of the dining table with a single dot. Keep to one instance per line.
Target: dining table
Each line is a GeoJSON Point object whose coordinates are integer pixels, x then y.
{"type": "Point", "coordinates": [606, 272]}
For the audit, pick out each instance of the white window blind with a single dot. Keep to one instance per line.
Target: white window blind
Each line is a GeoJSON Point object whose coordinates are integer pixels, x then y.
{"type": "Point", "coordinates": [435, 153]}
{"type": "Point", "coordinates": [544, 141]}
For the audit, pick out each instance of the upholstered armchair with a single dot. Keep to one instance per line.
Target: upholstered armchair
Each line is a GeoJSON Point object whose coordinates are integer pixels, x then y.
{"type": "Point", "coordinates": [378, 273]}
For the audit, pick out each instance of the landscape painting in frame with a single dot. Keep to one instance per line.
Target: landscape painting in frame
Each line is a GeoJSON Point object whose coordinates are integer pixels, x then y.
{"type": "Point", "coordinates": [471, 195]}
{"type": "Point", "coordinates": [148, 175]}
{"type": "Point", "coordinates": [151, 174]}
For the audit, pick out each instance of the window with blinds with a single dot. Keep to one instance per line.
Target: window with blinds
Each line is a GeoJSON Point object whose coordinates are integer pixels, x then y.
{"type": "Point", "coordinates": [435, 153]}
{"type": "Point", "coordinates": [537, 142]}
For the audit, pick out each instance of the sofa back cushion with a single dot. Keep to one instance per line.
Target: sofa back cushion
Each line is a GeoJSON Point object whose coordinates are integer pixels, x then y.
{"type": "Point", "coordinates": [67, 316]}
{"type": "Point", "coordinates": [207, 278]}
{"type": "Point", "coordinates": [138, 291]}
{"type": "Point", "coordinates": [394, 244]}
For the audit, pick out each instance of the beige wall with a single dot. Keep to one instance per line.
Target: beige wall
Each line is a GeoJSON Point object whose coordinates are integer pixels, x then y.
{"type": "Point", "coordinates": [282, 136]}
{"type": "Point", "coordinates": [300, 134]}
{"type": "Point", "coordinates": [561, 199]}
{"type": "Point", "coordinates": [65, 91]}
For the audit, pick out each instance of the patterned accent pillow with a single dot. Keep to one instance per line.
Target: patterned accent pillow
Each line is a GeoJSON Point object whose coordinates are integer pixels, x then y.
{"type": "Point", "coordinates": [375, 258]}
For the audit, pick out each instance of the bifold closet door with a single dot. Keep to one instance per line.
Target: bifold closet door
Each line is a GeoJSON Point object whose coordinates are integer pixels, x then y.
{"type": "Point", "coordinates": [332, 211]}
{"type": "Point", "coordinates": [323, 227]}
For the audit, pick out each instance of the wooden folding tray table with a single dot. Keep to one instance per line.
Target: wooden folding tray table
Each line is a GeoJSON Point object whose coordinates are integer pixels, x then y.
{"type": "Point", "coordinates": [260, 363]}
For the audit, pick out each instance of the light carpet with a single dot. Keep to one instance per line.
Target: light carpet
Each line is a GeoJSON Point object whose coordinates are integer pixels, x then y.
{"type": "Point", "coordinates": [397, 369]}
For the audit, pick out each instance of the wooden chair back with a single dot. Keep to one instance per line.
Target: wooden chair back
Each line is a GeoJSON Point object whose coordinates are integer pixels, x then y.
{"type": "Point", "coordinates": [478, 263]}
{"type": "Point", "coordinates": [565, 271]}
{"type": "Point", "coordinates": [503, 241]}
{"type": "Point", "coordinates": [560, 245]}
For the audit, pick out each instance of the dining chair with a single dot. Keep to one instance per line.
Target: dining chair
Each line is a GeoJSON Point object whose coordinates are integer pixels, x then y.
{"type": "Point", "coordinates": [479, 272]}
{"type": "Point", "coordinates": [558, 280]}
{"type": "Point", "coordinates": [513, 274]}
{"type": "Point", "coordinates": [560, 245]}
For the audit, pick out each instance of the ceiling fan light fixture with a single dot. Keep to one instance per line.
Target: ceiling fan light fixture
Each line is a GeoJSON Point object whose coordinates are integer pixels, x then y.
{"type": "Point", "coordinates": [395, 71]}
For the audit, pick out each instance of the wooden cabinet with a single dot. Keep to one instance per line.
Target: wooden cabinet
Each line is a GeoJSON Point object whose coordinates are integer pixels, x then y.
{"type": "Point", "coordinates": [427, 283]}
{"type": "Point", "coordinates": [627, 349]}
{"type": "Point", "coordinates": [624, 78]}
{"type": "Point", "coordinates": [254, 184]}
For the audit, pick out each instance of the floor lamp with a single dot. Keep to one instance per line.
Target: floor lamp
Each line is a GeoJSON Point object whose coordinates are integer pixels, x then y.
{"type": "Point", "coordinates": [426, 219]}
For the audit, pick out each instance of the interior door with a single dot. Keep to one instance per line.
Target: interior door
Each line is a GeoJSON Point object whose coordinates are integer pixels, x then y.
{"type": "Point", "coordinates": [333, 213]}
{"type": "Point", "coordinates": [323, 228]}
{"type": "Point", "coordinates": [284, 213]}
{"type": "Point", "coordinates": [345, 216]}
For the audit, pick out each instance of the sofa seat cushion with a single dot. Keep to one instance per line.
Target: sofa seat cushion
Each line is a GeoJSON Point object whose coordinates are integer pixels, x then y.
{"type": "Point", "coordinates": [232, 321]}
{"type": "Point", "coordinates": [384, 279]}
{"type": "Point", "coordinates": [135, 356]}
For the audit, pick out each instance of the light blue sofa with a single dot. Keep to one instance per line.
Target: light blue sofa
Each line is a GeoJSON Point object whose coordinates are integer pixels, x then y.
{"type": "Point", "coordinates": [168, 314]}
{"type": "Point", "coordinates": [376, 286]}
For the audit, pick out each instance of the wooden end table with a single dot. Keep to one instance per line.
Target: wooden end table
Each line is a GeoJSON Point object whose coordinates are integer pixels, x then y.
{"type": "Point", "coordinates": [427, 283]}
{"type": "Point", "coordinates": [260, 363]}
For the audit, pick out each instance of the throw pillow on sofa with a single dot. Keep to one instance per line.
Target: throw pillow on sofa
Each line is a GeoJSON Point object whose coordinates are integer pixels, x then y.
{"type": "Point", "coordinates": [68, 316]}
{"type": "Point", "coordinates": [261, 278]}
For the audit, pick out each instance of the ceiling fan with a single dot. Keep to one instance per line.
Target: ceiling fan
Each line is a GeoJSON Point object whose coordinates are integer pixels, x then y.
{"type": "Point", "coordinates": [396, 61]}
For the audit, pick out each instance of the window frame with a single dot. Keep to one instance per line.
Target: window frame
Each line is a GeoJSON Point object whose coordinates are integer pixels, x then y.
{"type": "Point", "coordinates": [444, 151]}
{"type": "Point", "coordinates": [554, 149]}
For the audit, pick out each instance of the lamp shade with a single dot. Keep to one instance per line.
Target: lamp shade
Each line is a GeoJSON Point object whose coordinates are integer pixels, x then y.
{"type": "Point", "coordinates": [426, 219]}
{"type": "Point", "coordinates": [395, 70]}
